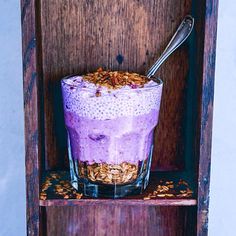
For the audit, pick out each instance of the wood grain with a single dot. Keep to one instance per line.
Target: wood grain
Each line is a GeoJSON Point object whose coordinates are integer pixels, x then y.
{"type": "Point", "coordinates": [61, 37]}
{"type": "Point", "coordinates": [33, 148]}
{"type": "Point", "coordinates": [80, 36]}
{"type": "Point", "coordinates": [120, 221]}
{"type": "Point", "coordinates": [206, 71]}
{"type": "Point", "coordinates": [121, 202]}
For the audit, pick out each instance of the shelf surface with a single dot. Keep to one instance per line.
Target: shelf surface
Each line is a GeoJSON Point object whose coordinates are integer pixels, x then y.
{"type": "Point", "coordinates": [164, 189]}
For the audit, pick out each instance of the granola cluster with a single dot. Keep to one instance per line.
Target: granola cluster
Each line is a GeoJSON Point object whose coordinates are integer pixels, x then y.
{"type": "Point", "coordinates": [116, 79]}
{"type": "Point", "coordinates": [109, 173]}
{"type": "Point", "coordinates": [170, 189]}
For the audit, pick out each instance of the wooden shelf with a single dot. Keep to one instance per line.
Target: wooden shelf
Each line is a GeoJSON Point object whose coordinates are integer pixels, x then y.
{"type": "Point", "coordinates": [181, 194]}
{"type": "Point", "coordinates": [130, 202]}
{"type": "Point", "coordinates": [75, 37]}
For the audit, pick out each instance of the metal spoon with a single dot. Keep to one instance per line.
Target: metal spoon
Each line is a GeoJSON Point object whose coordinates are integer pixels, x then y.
{"type": "Point", "coordinates": [179, 37]}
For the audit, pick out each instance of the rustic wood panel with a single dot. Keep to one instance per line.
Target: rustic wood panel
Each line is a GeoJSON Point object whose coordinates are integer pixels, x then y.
{"type": "Point", "coordinates": [79, 36]}
{"type": "Point", "coordinates": [70, 36]}
{"type": "Point", "coordinates": [120, 202]}
{"type": "Point", "coordinates": [207, 26]}
{"type": "Point", "coordinates": [33, 148]}
{"type": "Point", "coordinates": [120, 221]}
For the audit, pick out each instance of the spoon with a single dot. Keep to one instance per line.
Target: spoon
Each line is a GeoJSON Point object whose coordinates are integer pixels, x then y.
{"type": "Point", "coordinates": [178, 38]}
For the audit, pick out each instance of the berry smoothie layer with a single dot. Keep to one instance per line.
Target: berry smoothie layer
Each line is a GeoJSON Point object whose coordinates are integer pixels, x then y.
{"type": "Point", "coordinates": [111, 116]}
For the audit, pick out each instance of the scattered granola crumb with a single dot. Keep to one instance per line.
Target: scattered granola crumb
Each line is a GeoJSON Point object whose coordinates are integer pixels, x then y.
{"type": "Point", "coordinates": [60, 188]}
{"type": "Point", "coordinates": [169, 189]}
{"type": "Point", "coordinates": [79, 195]}
{"type": "Point", "coordinates": [146, 198]}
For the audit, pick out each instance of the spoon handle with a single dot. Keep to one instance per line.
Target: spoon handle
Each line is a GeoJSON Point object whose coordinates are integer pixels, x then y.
{"type": "Point", "coordinates": [179, 37]}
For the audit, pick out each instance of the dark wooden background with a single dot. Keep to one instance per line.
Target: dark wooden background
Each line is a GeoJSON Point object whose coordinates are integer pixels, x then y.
{"type": "Point", "coordinates": [80, 36]}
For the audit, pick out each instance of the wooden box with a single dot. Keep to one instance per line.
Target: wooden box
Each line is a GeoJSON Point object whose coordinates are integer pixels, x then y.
{"type": "Point", "coordinates": [62, 37]}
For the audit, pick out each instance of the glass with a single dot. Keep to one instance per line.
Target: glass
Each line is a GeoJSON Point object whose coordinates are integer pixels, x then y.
{"type": "Point", "coordinates": [110, 138]}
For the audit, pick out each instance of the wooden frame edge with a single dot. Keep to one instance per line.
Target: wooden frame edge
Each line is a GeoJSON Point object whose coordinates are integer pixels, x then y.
{"type": "Point", "coordinates": [206, 114]}
{"type": "Point", "coordinates": [33, 148]}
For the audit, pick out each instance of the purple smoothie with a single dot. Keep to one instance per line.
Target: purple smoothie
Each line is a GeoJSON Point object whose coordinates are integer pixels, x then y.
{"type": "Point", "coordinates": [123, 139]}
{"type": "Point", "coordinates": [113, 128]}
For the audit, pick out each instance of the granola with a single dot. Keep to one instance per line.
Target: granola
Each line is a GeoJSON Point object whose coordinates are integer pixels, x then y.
{"type": "Point", "coordinates": [109, 173]}
{"type": "Point", "coordinates": [115, 79]}
{"type": "Point", "coordinates": [59, 188]}
{"type": "Point", "coordinates": [170, 189]}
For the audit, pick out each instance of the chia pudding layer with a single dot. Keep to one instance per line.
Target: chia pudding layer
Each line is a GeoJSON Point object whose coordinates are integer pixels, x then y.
{"type": "Point", "coordinates": [110, 118]}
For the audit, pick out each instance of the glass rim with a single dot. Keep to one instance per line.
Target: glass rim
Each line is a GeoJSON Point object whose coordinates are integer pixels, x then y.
{"type": "Point", "coordinates": [157, 80]}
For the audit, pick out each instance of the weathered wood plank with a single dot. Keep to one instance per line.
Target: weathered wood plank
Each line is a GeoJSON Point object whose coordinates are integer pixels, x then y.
{"type": "Point", "coordinates": [120, 221]}
{"type": "Point", "coordinates": [207, 26]}
{"type": "Point", "coordinates": [33, 149]}
{"type": "Point", "coordinates": [124, 202]}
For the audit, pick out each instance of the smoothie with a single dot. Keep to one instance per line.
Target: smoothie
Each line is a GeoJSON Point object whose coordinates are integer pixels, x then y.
{"type": "Point", "coordinates": [110, 117]}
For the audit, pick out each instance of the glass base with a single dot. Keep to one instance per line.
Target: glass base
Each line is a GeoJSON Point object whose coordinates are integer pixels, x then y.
{"type": "Point", "coordinates": [111, 191]}
{"type": "Point", "coordinates": [84, 184]}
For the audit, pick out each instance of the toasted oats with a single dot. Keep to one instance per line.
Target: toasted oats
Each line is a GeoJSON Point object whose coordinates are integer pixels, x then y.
{"type": "Point", "coordinates": [171, 186]}
{"type": "Point", "coordinates": [115, 79]}
{"type": "Point", "coordinates": [165, 188]}
{"type": "Point", "coordinates": [170, 189]}
{"type": "Point", "coordinates": [146, 198]}
{"type": "Point", "coordinates": [79, 195]}
{"type": "Point", "coordinates": [115, 172]}
{"type": "Point", "coordinates": [110, 173]}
